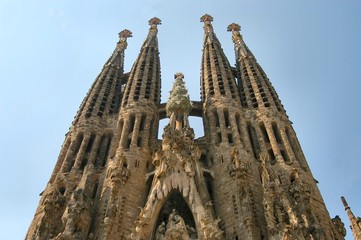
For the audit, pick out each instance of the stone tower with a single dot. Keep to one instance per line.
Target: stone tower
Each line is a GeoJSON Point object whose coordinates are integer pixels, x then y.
{"type": "Point", "coordinates": [246, 178]}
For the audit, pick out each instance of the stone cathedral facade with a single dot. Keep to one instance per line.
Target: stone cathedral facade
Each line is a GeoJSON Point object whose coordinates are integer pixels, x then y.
{"type": "Point", "coordinates": [246, 178]}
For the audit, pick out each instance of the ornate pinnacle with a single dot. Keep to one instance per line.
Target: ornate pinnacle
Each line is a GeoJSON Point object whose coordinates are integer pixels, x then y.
{"type": "Point", "coordinates": [125, 34]}
{"type": "Point", "coordinates": [206, 18]}
{"type": "Point", "coordinates": [179, 99]}
{"type": "Point", "coordinates": [155, 21]}
{"type": "Point", "coordinates": [178, 75]}
{"type": "Point", "coordinates": [233, 27]}
{"type": "Point", "coordinates": [240, 46]}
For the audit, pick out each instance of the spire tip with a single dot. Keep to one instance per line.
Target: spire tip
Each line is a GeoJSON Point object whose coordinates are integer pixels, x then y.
{"type": "Point", "coordinates": [155, 21]}
{"type": "Point", "coordinates": [206, 18]}
{"type": "Point", "coordinates": [233, 27]}
{"type": "Point", "coordinates": [178, 75]}
{"type": "Point", "coordinates": [125, 34]}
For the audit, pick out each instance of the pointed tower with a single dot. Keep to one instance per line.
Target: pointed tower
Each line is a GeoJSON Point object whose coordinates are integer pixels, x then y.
{"type": "Point", "coordinates": [355, 221]}
{"type": "Point", "coordinates": [84, 153]}
{"type": "Point", "coordinates": [292, 205]}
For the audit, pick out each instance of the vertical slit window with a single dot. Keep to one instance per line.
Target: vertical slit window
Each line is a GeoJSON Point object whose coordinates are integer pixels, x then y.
{"type": "Point", "coordinates": [253, 140]}
{"type": "Point", "coordinates": [264, 132]}
{"type": "Point", "coordinates": [142, 122]}
{"type": "Point", "coordinates": [226, 118]}
{"type": "Point", "coordinates": [230, 138]}
{"type": "Point", "coordinates": [271, 156]}
{"type": "Point", "coordinates": [84, 162]}
{"type": "Point", "coordinates": [131, 123]}
{"type": "Point", "coordinates": [238, 121]}
{"type": "Point", "coordinates": [285, 156]}
{"type": "Point", "coordinates": [78, 142]}
{"type": "Point", "coordinates": [95, 189]}
{"type": "Point", "coordinates": [107, 151]}
{"type": "Point", "coordinates": [292, 143]}
{"type": "Point", "coordinates": [139, 142]}
{"type": "Point", "coordinates": [216, 118]}
{"type": "Point", "coordinates": [90, 143]}
{"type": "Point", "coordinates": [276, 132]}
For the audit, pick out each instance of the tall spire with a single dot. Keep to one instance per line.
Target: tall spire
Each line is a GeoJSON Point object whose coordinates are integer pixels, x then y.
{"type": "Point", "coordinates": [237, 38]}
{"type": "Point", "coordinates": [217, 78]}
{"type": "Point", "coordinates": [117, 58]}
{"type": "Point", "coordinates": [255, 88]}
{"type": "Point", "coordinates": [100, 99]}
{"type": "Point", "coordinates": [355, 221]}
{"type": "Point", "coordinates": [151, 40]}
{"type": "Point", "coordinates": [144, 78]}
{"type": "Point", "coordinates": [83, 156]}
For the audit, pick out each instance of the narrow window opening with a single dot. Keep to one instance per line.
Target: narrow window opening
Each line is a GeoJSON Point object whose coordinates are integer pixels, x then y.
{"type": "Point", "coordinates": [226, 118]}
{"type": "Point", "coordinates": [292, 143]}
{"type": "Point", "coordinates": [139, 142]}
{"type": "Point", "coordinates": [276, 132]}
{"type": "Point", "coordinates": [285, 156]}
{"type": "Point", "coordinates": [209, 183]}
{"type": "Point", "coordinates": [203, 160]}
{"type": "Point", "coordinates": [131, 124]}
{"type": "Point", "coordinates": [107, 151]}
{"type": "Point", "coordinates": [137, 163]}
{"type": "Point", "coordinates": [230, 138]}
{"type": "Point", "coordinates": [216, 118]}
{"type": "Point", "coordinates": [253, 140]}
{"type": "Point", "coordinates": [62, 190]}
{"type": "Point", "coordinates": [95, 189]}
{"type": "Point", "coordinates": [90, 143]}
{"type": "Point", "coordinates": [83, 163]}
{"type": "Point", "coordinates": [264, 132]}
{"type": "Point", "coordinates": [238, 121]}
{"type": "Point", "coordinates": [271, 156]}
{"type": "Point", "coordinates": [129, 141]}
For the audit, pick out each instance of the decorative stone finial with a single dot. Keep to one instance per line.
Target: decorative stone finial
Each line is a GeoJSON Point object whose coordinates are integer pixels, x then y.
{"type": "Point", "coordinates": [233, 27]}
{"type": "Point", "coordinates": [155, 21]}
{"type": "Point", "coordinates": [178, 75]}
{"type": "Point", "coordinates": [122, 43]}
{"type": "Point", "coordinates": [125, 34]}
{"type": "Point", "coordinates": [240, 46]}
{"type": "Point", "coordinates": [179, 99]}
{"type": "Point", "coordinates": [206, 18]}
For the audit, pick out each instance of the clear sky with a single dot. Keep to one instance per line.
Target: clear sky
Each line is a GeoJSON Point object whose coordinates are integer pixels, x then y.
{"type": "Point", "coordinates": [52, 50]}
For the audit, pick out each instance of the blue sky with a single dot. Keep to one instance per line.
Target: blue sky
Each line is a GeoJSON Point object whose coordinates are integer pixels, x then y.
{"type": "Point", "coordinates": [51, 52]}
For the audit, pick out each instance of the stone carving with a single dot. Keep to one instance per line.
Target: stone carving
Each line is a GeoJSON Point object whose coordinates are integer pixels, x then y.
{"type": "Point", "coordinates": [159, 234]}
{"type": "Point", "coordinates": [118, 171]}
{"type": "Point", "coordinates": [176, 228]}
{"type": "Point", "coordinates": [238, 168]}
{"type": "Point", "coordinates": [76, 218]}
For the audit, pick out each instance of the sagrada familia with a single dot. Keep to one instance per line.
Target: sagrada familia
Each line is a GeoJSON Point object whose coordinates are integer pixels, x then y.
{"type": "Point", "coordinates": [245, 179]}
